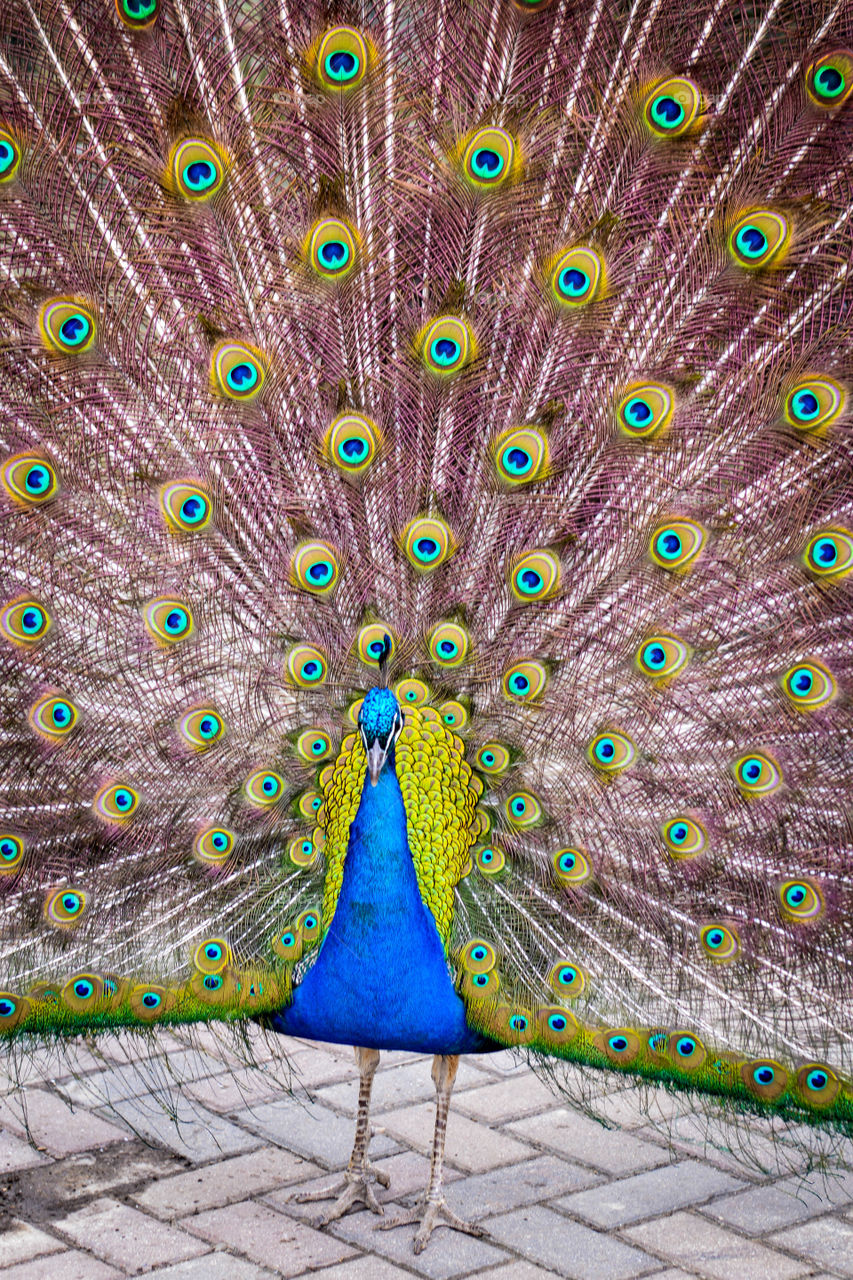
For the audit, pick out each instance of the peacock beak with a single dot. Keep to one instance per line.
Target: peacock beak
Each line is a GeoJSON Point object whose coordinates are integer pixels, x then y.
{"type": "Point", "coordinates": [376, 757]}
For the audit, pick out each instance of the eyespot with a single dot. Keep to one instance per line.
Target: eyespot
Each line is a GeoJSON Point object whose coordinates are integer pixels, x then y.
{"type": "Point", "coordinates": [185, 506]}
{"type": "Point", "coordinates": [67, 326]}
{"type": "Point", "coordinates": [10, 156]}
{"type": "Point", "coordinates": [315, 568]}
{"type": "Point", "coordinates": [212, 955]}
{"type": "Point", "coordinates": [685, 1050]}
{"type": "Point", "coordinates": [524, 681]}
{"type": "Point", "coordinates": [720, 943]}
{"type": "Point", "coordinates": [214, 844]}
{"type": "Point", "coordinates": [813, 403]}
{"type": "Point", "coordinates": [82, 992]}
{"type": "Point", "coordinates": [201, 728]}
{"type": "Point", "coordinates": [64, 908]}
{"type": "Point", "coordinates": [411, 692]}
{"type": "Point", "coordinates": [521, 455]}
{"type": "Point", "coordinates": [453, 715]}
{"type": "Point", "coordinates": [577, 277]}
{"type": "Point", "coordinates": [138, 14]}
{"type": "Point", "coordinates": [809, 685]}
{"type": "Point", "coordinates": [676, 544]}
{"type": "Point", "coordinates": [148, 1002]}
{"type": "Point", "coordinates": [342, 58]}
{"type": "Point", "coordinates": [572, 867]}
{"type": "Point", "coordinates": [662, 656]}
{"type": "Point", "coordinates": [308, 924]}
{"type": "Point", "coordinates": [446, 345]}
{"type": "Point", "coordinates": [567, 979]}
{"type": "Point", "coordinates": [331, 249]}
{"type": "Point", "coordinates": [168, 620]}
{"type": "Point", "coordinates": [306, 666]}
{"type": "Point", "coordinates": [765, 1079]}
{"type": "Point", "coordinates": [757, 774]}
{"type": "Point", "coordinates": [427, 543]}
{"type": "Point", "coordinates": [489, 159]}
{"type": "Point", "coordinates": [197, 169]}
{"type": "Point", "coordinates": [448, 644]}
{"type": "Point", "coordinates": [510, 1025]}
{"type": "Point", "coordinates": [829, 80]}
{"type": "Point", "coordinates": [53, 716]}
{"type": "Point", "coordinates": [535, 575]}
{"type": "Point", "coordinates": [611, 752]}
{"type": "Point", "coordinates": [351, 443]}
{"type": "Point", "coordinates": [817, 1084]}
{"type": "Point", "coordinates": [480, 986]}
{"type": "Point", "coordinates": [492, 758]}
{"type": "Point", "coordinates": [288, 945]}
{"type": "Point", "coordinates": [24, 622]}
{"type": "Point", "coordinates": [371, 643]}
{"type": "Point", "coordinates": [830, 554]}
{"type": "Point", "coordinates": [801, 901]}
{"type": "Point", "coordinates": [684, 838]}
{"type": "Point", "coordinates": [13, 1010]}
{"type": "Point", "coordinates": [671, 107]}
{"type": "Point", "coordinates": [621, 1045]}
{"type": "Point", "coordinates": [490, 860]}
{"type": "Point", "coordinates": [556, 1026]}
{"type": "Point", "coordinates": [645, 410]}
{"type": "Point", "coordinates": [302, 851]}
{"type": "Point", "coordinates": [310, 804]}
{"type": "Point", "coordinates": [237, 371]}
{"type": "Point", "coordinates": [116, 802]}
{"type": "Point", "coordinates": [759, 239]}
{"type": "Point", "coordinates": [263, 788]}
{"type": "Point", "coordinates": [523, 809]}
{"type": "Point", "coordinates": [11, 854]}
{"type": "Point", "coordinates": [29, 479]}
{"type": "Point", "coordinates": [314, 744]}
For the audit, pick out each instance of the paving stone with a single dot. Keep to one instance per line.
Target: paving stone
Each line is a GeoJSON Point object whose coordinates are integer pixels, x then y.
{"type": "Point", "coordinates": [235, 1093]}
{"type": "Point", "coordinates": [750, 1147]}
{"type": "Point", "coordinates": [124, 1080]}
{"type": "Point", "coordinates": [213, 1266]}
{"type": "Point", "coordinates": [826, 1241]}
{"type": "Point", "coordinates": [408, 1171]}
{"type": "Point", "coordinates": [70, 1265]}
{"type": "Point", "coordinates": [470, 1146]}
{"type": "Point", "coordinates": [397, 1087]}
{"type": "Point", "coordinates": [448, 1254]}
{"type": "Point", "coordinates": [284, 1245]}
{"type": "Point", "coordinates": [655, 1192]}
{"type": "Point", "coordinates": [225, 1182]}
{"type": "Point", "coordinates": [54, 1126]}
{"type": "Point", "coordinates": [505, 1100]}
{"type": "Point", "coordinates": [671, 1273]}
{"type": "Point", "coordinates": [16, 1153]}
{"type": "Point", "coordinates": [567, 1247]}
{"type": "Point", "coordinates": [22, 1241]}
{"type": "Point", "coordinates": [516, 1270]}
{"type": "Point", "coordinates": [363, 1268]}
{"type": "Point", "coordinates": [313, 1066]}
{"type": "Point", "coordinates": [530, 1182]}
{"type": "Point", "coordinates": [311, 1131]}
{"type": "Point", "coordinates": [690, 1241]}
{"type": "Point", "coordinates": [760, 1210]}
{"type": "Point", "coordinates": [580, 1138]}
{"type": "Point", "coordinates": [186, 1128]}
{"type": "Point", "coordinates": [127, 1238]}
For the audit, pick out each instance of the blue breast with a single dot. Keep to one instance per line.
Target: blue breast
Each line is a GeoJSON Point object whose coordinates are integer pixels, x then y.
{"type": "Point", "coordinates": [381, 978]}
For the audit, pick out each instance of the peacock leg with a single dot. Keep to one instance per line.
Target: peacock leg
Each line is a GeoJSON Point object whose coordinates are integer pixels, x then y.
{"type": "Point", "coordinates": [432, 1211]}
{"type": "Point", "coordinates": [357, 1183]}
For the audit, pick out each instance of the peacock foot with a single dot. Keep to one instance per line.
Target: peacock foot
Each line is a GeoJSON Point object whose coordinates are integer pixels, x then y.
{"type": "Point", "coordinates": [431, 1214]}
{"type": "Point", "coordinates": [356, 1185]}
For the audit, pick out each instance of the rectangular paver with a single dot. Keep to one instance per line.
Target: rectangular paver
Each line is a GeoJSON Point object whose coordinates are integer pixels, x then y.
{"type": "Point", "coordinates": [70, 1265]}
{"type": "Point", "coordinates": [16, 1153]}
{"type": "Point", "coordinates": [20, 1241]}
{"type": "Point", "coordinates": [579, 1138]}
{"type": "Point", "coordinates": [60, 1129]}
{"type": "Point", "coordinates": [827, 1241]}
{"type": "Point", "coordinates": [567, 1247]}
{"type": "Point", "coordinates": [225, 1182]}
{"type": "Point", "coordinates": [128, 1239]}
{"type": "Point", "coordinates": [311, 1131]}
{"type": "Point", "coordinates": [512, 1186]}
{"type": "Point", "coordinates": [284, 1245]}
{"type": "Point", "coordinates": [448, 1254]}
{"type": "Point", "coordinates": [213, 1266]}
{"type": "Point", "coordinates": [470, 1146]}
{"type": "Point", "coordinates": [397, 1087]}
{"type": "Point", "coordinates": [674, 1186]}
{"type": "Point", "coordinates": [505, 1100]}
{"type": "Point", "coordinates": [695, 1244]}
{"type": "Point", "coordinates": [760, 1210]}
{"type": "Point", "coordinates": [185, 1127]}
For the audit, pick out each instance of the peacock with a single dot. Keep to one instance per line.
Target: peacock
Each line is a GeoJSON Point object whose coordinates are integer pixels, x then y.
{"type": "Point", "coordinates": [427, 535]}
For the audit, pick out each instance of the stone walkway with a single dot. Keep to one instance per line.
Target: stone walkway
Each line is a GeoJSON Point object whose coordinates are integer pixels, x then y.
{"type": "Point", "coordinates": [121, 1190]}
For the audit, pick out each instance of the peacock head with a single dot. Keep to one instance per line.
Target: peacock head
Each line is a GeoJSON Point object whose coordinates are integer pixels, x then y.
{"type": "Point", "coordinates": [380, 721]}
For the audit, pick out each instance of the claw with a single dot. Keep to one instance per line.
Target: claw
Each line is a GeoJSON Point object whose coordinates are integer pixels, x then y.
{"type": "Point", "coordinates": [356, 1185]}
{"type": "Point", "coordinates": [435, 1213]}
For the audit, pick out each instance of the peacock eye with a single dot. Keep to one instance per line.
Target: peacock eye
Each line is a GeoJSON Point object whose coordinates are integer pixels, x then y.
{"type": "Point", "coordinates": [478, 957]}
{"type": "Point", "coordinates": [10, 156]}
{"type": "Point", "coordinates": [829, 80]}
{"type": "Point", "coordinates": [67, 326]}
{"type": "Point", "coordinates": [577, 277]}
{"type": "Point", "coordinates": [148, 1002]}
{"type": "Point", "coordinates": [24, 622]}
{"type": "Point", "coordinates": [201, 728]}
{"type": "Point", "coordinates": [645, 411]}
{"type": "Point", "coordinates": [809, 686]}
{"type": "Point", "coordinates": [521, 455]}
{"type": "Point", "coordinates": [331, 249]}
{"type": "Point", "coordinates": [342, 58]}
{"type": "Point", "coordinates": [448, 644]}
{"type": "Point", "coordinates": [116, 802]}
{"type": "Point", "coordinates": [493, 758]}
{"type": "Point", "coordinates": [830, 554]}
{"type": "Point", "coordinates": [818, 1085]}
{"type": "Point", "coordinates": [53, 717]}
{"type": "Point", "coordinates": [759, 239]}
{"type": "Point", "coordinates": [757, 774]}
{"type": "Point", "coordinates": [488, 159]}
{"type": "Point", "coordinates": [411, 692]}
{"type": "Point", "coordinates": [310, 803]}
{"type": "Point", "coordinates": [308, 925]}
{"type": "Point", "coordinates": [567, 979]}
{"type": "Point", "coordinates": [535, 575]}
{"type": "Point", "coordinates": [490, 860]}
{"type": "Point", "coordinates": [675, 545]}
{"type": "Point", "coordinates": [138, 14]}
{"type": "Point", "coordinates": [685, 1050]}
{"type": "Point", "coordinates": [263, 788]}
{"type": "Point", "coordinates": [672, 107]}
{"type": "Point", "coordinates": [765, 1079]}
{"type": "Point", "coordinates": [197, 169]}
{"type": "Point", "coordinates": [351, 442]}
{"type": "Point", "coordinates": [427, 542]}
{"type": "Point", "coordinates": [302, 851]}
{"type": "Point", "coordinates": [186, 506]}
{"type": "Point", "coordinates": [371, 643]}
{"type": "Point", "coordinates": [524, 681]}
{"type": "Point", "coordinates": [619, 1046]}
{"type": "Point", "coordinates": [11, 854]}
{"type": "Point", "coordinates": [167, 620]}
{"type": "Point", "coordinates": [446, 345]}
{"type": "Point", "coordinates": [684, 838]}
{"type": "Point", "coordinates": [801, 901]}
{"type": "Point", "coordinates": [611, 752]}
{"type": "Point", "coordinates": [523, 809]}
{"type": "Point", "coordinates": [662, 656]}
{"type": "Point", "coordinates": [814, 403]}
{"type": "Point", "coordinates": [64, 908]}
{"type": "Point", "coordinates": [315, 567]}
{"type": "Point", "coordinates": [720, 943]}
{"type": "Point", "coordinates": [313, 744]}
{"type": "Point", "coordinates": [213, 845]}
{"type": "Point", "coordinates": [572, 867]}
{"type": "Point", "coordinates": [237, 371]}
{"type": "Point", "coordinates": [29, 479]}
{"type": "Point", "coordinates": [306, 666]}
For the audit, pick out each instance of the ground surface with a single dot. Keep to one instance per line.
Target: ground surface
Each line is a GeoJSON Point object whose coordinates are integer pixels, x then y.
{"type": "Point", "coordinates": [119, 1190]}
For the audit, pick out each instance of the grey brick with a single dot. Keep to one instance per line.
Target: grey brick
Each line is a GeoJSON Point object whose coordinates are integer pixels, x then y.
{"type": "Point", "coordinates": [70, 1265]}
{"type": "Point", "coordinates": [530, 1182]}
{"type": "Point", "coordinates": [213, 1266]}
{"type": "Point", "coordinates": [516, 1270]}
{"type": "Point", "coordinates": [127, 1238]}
{"type": "Point", "coordinates": [579, 1138]}
{"type": "Point", "coordinates": [363, 1268]}
{"type": "Point", "coordinates": [21, 1241]}
{"type": "Point", "coordinates": [567, 1247]}
{"type": "Point", "coordinates": [826, 1241]}
{"type": "Point", "coordinates": [409, 1173]}
{"type": "Point", "coordinates": [749, 1147]}
{"type": "Point", "coordinates": [285, 1246]}
{"type": "Point", "coordinates": [695, 1244]}
{"type": "Point", "coordinates": [16, 1153]}
{"type": "Point", "coordinates": [760, 1210]}
{"type": "Point", "coordinates": [449, 1253]}
{"type": "Point", "coordinates": [163, 1074]}
{"type": "Point", "coordinates": [396, 1087]}
{"type": "Point", "coordinates": [504, 1100]}
{"type": "Point", "coordinates": [235, 1092]}
{"type": "Point", "coordinates": [311, 1131]}
{"type": "Point", "coordinates": [225, 1182]}
{"type": "Point", "coordinates": [657, 1191]}
{"type": "Point", "coordinates": [56, 1127]}
{"type": "Point", "coordinates": [470, 1146]}
{"type": "Point", "coordinates": [185, 1127]}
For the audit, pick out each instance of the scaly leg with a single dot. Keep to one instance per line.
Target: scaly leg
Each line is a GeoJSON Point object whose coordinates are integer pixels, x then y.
{"type": "Point", "coordinates": [432, 1211]}
{"type": "Point", "coordinates": [357, 1182]}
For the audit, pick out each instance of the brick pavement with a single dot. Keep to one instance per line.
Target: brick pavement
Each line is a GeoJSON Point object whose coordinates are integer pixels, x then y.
{"type": "Point", "coordinates": [196, 1182]}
